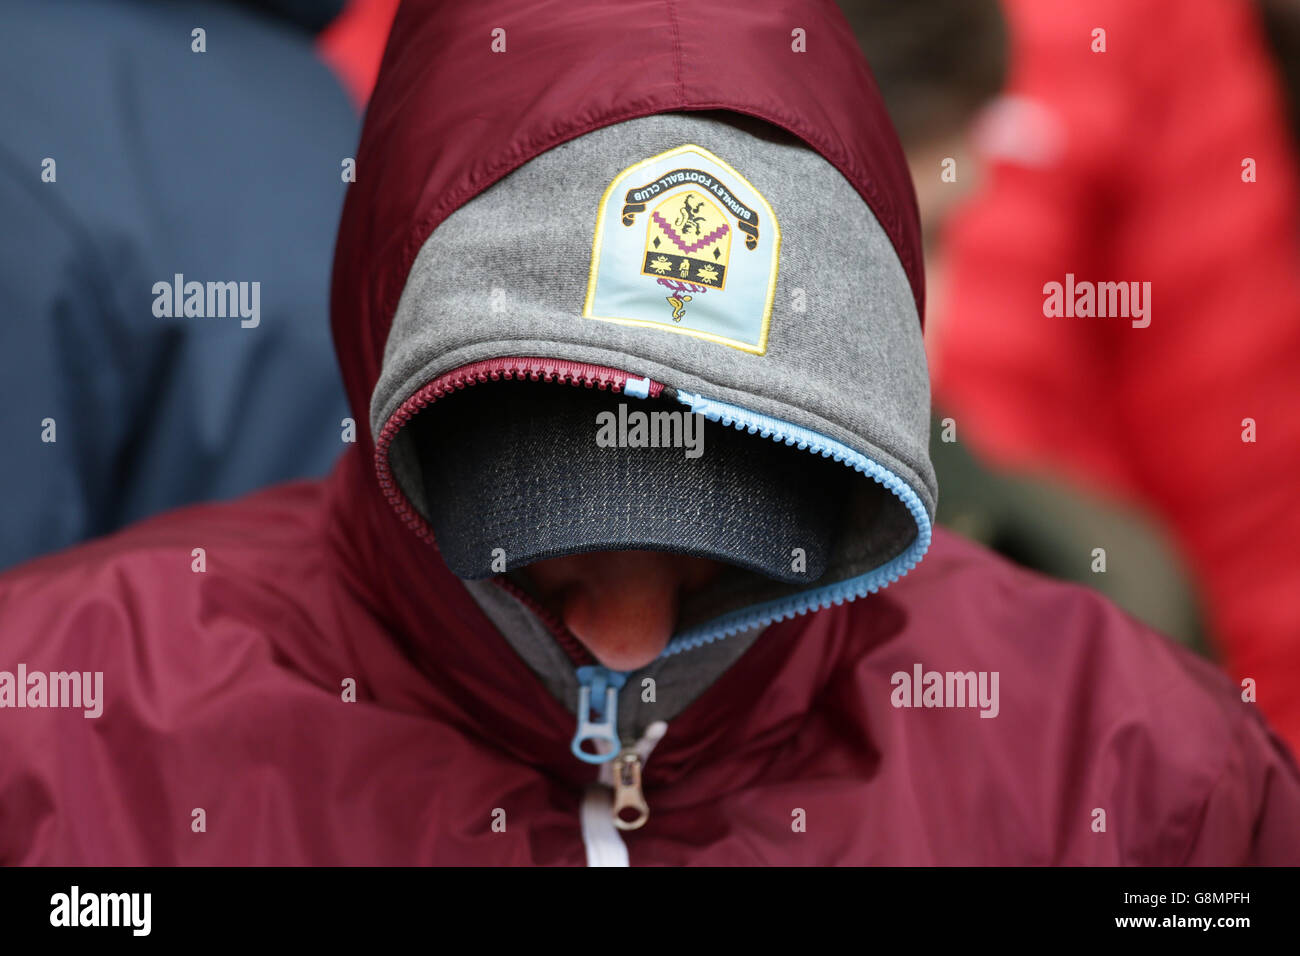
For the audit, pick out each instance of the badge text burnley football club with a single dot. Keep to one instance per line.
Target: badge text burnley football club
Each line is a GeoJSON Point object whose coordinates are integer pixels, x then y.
{"type": "Point", "coordinates": [685, 243]}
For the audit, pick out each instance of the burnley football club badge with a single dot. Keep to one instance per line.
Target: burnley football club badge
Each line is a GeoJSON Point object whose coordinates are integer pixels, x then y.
{"type": "Point", "coordinates": [684, 242]}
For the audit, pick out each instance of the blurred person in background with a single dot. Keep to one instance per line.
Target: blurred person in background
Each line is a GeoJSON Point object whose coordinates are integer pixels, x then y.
{"type": "Point", "coordinates": [1144, 143]}
{"type": "Point", "coordinates": [133, 150]}
{"type": "Point", "coordinates": [353, 45]}
{"type": "Point", "coordinates": [941, 65]}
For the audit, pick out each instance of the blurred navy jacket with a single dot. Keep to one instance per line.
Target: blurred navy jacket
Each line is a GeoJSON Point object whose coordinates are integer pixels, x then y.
{"type": "Point", "coordinates": [222, 166]}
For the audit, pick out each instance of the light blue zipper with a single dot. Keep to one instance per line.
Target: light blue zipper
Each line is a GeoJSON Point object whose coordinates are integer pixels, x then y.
{"type": "Point", "coordinates": [598, 683]}
{"type": "Point", "coordinates": [816, 598]}
{"type": "Point", "coordinates": [599, 722]}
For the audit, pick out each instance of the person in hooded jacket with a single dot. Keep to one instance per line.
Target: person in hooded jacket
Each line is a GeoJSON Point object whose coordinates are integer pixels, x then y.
{"type": "Point", "coordinates": [635, 563]}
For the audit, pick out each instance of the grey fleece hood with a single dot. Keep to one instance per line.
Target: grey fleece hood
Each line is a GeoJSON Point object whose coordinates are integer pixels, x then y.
{"type": "Point", "coordinates": [812, 340]}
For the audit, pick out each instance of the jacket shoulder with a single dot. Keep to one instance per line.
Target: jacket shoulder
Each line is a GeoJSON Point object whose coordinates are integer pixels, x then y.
{"type": "Point", "coordinates": [1093, 707]}
{"type": "Point", "coordinates": [167, 579]}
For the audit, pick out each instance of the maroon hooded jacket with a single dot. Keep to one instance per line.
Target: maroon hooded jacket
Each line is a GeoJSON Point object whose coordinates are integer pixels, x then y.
{"type": "Point", "coordinates": [228, 734]}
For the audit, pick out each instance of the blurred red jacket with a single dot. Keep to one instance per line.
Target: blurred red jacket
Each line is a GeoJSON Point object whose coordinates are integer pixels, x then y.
{"type": "Point", "coordinates": [1129, 165]}
{"type": "Point", "coordinates": [353, 45]}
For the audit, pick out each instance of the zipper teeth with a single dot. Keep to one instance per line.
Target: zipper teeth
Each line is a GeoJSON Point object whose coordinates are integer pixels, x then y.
{"type": "Point", "coordinates": [492, 370]}
{"type": "Point", "coordinates": [602, 377]}
{"type": "Point", "coordinates": [475, 373]}
{"type": "Point", "coordinates": [804, 602]}
{"type": "Point", "coordinates": [571, 646]}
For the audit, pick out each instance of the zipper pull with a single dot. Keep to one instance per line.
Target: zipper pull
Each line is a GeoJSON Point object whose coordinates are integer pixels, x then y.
{"type": "Point", "coordinates": [630, 809]}
{"type": "Point", "coordinates": [624, 775]}
{"type": "Point", "coordinates": [598, 689]}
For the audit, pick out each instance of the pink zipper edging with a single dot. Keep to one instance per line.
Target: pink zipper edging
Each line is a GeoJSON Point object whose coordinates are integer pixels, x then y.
{"type": "Point", "coordinates": [490, 370]}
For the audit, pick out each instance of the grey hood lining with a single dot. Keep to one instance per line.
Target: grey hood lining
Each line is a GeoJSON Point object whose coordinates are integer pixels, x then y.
{"type": "Point", "coordinates": [678, 680]}
{"type": "Point", "coordinates": [876, 527]}
{"type": "Point", "coordinates": [918, 474]}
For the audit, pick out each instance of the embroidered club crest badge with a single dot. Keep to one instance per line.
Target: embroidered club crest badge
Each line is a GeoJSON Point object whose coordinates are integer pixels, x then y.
{"type": "Point", "coordinates": [685, 243]}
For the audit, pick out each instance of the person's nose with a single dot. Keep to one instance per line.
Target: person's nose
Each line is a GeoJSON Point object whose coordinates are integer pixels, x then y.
{"type": "Point", "coordinates": [624, 609]}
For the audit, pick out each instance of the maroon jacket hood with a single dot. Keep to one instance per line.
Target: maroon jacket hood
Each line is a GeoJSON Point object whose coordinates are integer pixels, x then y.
{"type": "Point", "coordinates": [449, 117]}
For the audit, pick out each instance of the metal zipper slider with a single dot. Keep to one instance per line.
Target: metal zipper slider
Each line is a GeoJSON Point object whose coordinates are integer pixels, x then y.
{"type": "Point", "coordinates": [630, 809]}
